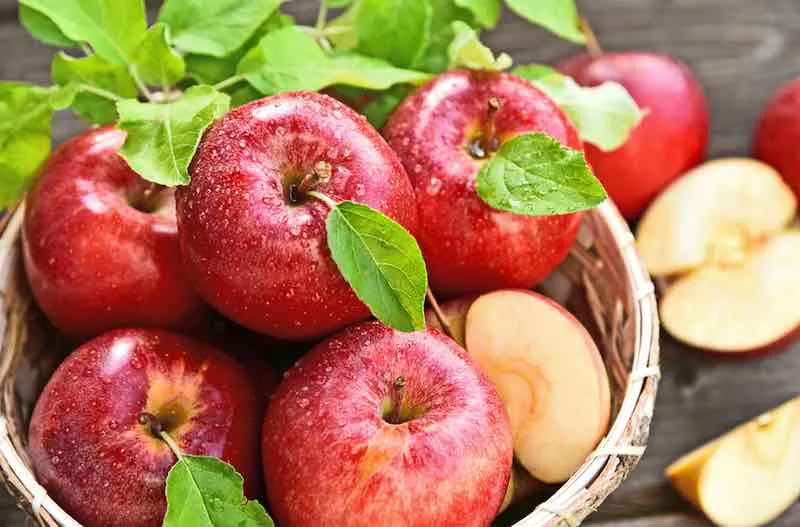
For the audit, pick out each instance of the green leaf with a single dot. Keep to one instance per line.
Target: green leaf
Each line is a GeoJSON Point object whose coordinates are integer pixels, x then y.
{"type": "Point", "coordinates": [467, 51]}
{"type": "Point", "coordinates": [25, 115]}
{"type": "Point", "coordinates": [557, 16]}
{"type": "Point", "coordinates": [307, 67]}
{"type": "Point", "coordinates": [214, 27]}
{"type": "Point", "coordinates": [604, 115]}
{"type": "Point", "coordinates": [378, 111]}
{"type": "Point", "coordinates": [243, 95]}
{"type": "Point", "coordinates": [436, 58]}
{"type": "Point", "coordinates": [212, 70]}
{"type": "Point", "coordinates": [535, 175]}
{"type": "Point", "coordinates": [486, 12]}
{"type": "Point", "coordinates": [394, 30]}
{"type": "Point", "coordinates": [112, 27]}
{"type": "Point", "coordinates": [155, 60]}
{"type": "Point", "coordinates": [207, 492]}
{"type": "Point", "coordinates": [338, 3]}
{"type": "Point", "coordinates": [42, 28]}
{"type": "Point", "coordinates": [162, 138]}
{"type": "Point", "coordinates": [99, 73]}
{"type": "Point", "coordinates": [382, 263]}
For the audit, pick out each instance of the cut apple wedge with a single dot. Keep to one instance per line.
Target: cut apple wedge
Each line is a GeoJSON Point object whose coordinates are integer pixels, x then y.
{"type": "Point", "coordinates": [720, 236]}
{"type": "Point", "coordinates": [749, 476]}
{"type": "Point", "coordinates": [548, 372]}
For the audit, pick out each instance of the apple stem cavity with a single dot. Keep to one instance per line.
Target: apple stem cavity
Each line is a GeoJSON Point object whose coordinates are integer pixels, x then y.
{"type": "Point", "coordinates": [592, 44]}
{"type": "Point", "coordinates": [323, 198]}
{"type": "Point", "coordinates": [156, 429]}
{"type": "Point", "coordinates": [149, 199]}
{"type": "Point", "coordinates": [488, 143]}
{"type": "Point", "coordinates": [296, 192]}
{"type": "Point", "coordinates": [439, 315]}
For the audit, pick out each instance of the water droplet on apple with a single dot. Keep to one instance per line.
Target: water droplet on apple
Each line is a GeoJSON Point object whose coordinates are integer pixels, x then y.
{"type": "Point", "coordinates": [281, 131]}
{"type": "Point", "coordinates": [337, 114]}
{"type": "Point", "coordinates": [328, 369]}
{"type": "Point", "coordinates": [359, 189]}
{"type": "Point", "coordinates": [290, 293]}
{"type": "Point", "coordinates": [56, 460]}
{"type": "Point", "coordinates": [417, 168]}
{"type": "Point", "coordinates": [406, 140]}
{"type": "Point", "coordinates": [434, 186]}
{"type": "Point", "coordinates": [242, 143]}
{"type": "Point", "coordinates": [304, 402]}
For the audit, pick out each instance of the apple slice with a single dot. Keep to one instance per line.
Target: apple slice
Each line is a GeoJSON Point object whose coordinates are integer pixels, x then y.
{"type": "Point", "coordinates": [548, 372]}
{"type": "Point", "coordinates": [720, 234]}
{"type": "Point", "coordinates": [712, 214]}
{"type": "Point", "coordinates": [749, 476]}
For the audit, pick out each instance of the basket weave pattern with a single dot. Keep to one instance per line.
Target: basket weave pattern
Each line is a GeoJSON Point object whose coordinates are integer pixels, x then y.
{"type": "Point", "coordinates": [603, 265]}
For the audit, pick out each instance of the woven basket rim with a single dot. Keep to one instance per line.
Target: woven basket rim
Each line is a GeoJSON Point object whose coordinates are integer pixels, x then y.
{"type": "Point", "coordinates": [558, 509]}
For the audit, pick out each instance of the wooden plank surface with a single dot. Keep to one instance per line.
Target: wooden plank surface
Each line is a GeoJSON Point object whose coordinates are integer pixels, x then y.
{"type": "Point", "coordinates": [741, 50]}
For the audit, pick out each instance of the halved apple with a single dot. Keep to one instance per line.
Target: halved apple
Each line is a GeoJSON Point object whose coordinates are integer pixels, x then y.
{"type": "Point", "coordinates": [721, 235]}
{"type": "Point", "coordinates": [749, 476]}
{"type": "Point", "coordinates": [548, 372]}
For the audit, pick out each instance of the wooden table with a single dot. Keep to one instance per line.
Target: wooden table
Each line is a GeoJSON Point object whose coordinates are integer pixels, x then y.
{"type": "Point", "coordinates": [741, 50]}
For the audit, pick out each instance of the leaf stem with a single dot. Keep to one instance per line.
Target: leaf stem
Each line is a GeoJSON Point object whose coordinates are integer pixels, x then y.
{"type": "Point", "coordinates": [230, 81]}
{"type": "Point", "coordinates": [140, 84]}
{"type": "Point", "coordinates": [86, 49]}
{"type": "Point", "coordinates": [438, 312]}
{"type": "Point", "coordinates": [322, 15]}
{"type": "Point", "coordinates": [100, 91]}
{"type": "Point", "coordinates": [592, 44]}
{"type": "Point", "coordinates": [323, 198]}
{"type": "Point", "coordinates": [156, 429]}
{"type": "Point", "coordinates": [171, 444]}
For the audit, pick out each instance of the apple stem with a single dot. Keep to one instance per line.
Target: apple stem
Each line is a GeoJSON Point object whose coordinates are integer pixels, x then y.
{"type": "Point", "coordinates": [438, 312]}
{"type": "Point", "coordinates": [592, 44]}
{"type": "Point", "coordinates": [397, 401]}
{"type": "Point", "coordinates": [156, 429]}
{"type": "Point", "coordinates": [488, 142]}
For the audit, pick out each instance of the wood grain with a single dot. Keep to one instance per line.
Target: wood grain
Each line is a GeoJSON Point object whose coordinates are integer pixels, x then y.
{"type": "Point", "coordinates": [741, 50]}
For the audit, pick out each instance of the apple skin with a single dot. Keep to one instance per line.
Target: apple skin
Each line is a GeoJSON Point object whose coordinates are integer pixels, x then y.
{"type": "Point", "coordinates": [672, 137]}
{"type": "Point", "coordinates": [468, 246]}
{"type": "Point", "coordinates": [94, 262]}
{"type": "Point", "coordinates": [330, 458]}
{"type": "Point", "coordinates": [259, 260]}
{"type": "Point", "coordinates": [778, 134]}
{"type": "Point", "coordinates": [89, 450]}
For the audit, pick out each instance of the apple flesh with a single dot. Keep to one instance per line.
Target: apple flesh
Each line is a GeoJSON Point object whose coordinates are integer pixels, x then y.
{"type": "Point", "coordinates": [254, 246]}
{"type": "Point", "coordinates": [671, 138]}
{"type": "Point", "coordinates": [749, 476]}
{"type": "Point", "coordinates": [99, 253]}
{"type": "Point", "coordinates": [440, 134]}
{"type": "Point", "coordinates": [95, 458]}
{"type": "Point", "coordinates": [550, 375]}
{"type": "Point", "coordinates": [379, 427]}
{"type": "Point", "coordinates": [720, 237]}
{"type": "Point", "coordinates": [778, 134]}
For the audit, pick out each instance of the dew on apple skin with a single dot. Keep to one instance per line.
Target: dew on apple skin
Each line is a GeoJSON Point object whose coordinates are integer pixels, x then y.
{"type": "Point", "coordinates": [434, 186]}
{"type": "Point", "coordinates": [280, 131]}
{"type": "Point", "coordinates": [360, 189]}
{"type": "Point", "coordinates": [242, 143]}
{"type": "Point", "coordinates": [55, 460]}
{"type": "Point", "coordinates": [304, 403]}
{"type": "Point", "coordinates": [417, 168]}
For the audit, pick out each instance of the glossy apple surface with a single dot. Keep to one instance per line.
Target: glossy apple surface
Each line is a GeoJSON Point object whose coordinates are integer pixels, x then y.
{"type": "Point", "coordinates": [378, 427]}
{"type": "Point", "coordinates": [672, 136]}
{"type": "Point", "coordinates": [95, 257]}
{"type": "Point", "coordinates": [778, 134]}
{"type": "Point", "coordinates": [468, 246]}
{"type": "Point", "coordinates": [94, 457]}
{"type": "Point", "coordinates": [253, 253]}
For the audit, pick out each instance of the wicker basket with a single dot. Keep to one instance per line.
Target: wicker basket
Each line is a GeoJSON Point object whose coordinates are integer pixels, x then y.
{"type": "Point", "coordinates": [603, 270]}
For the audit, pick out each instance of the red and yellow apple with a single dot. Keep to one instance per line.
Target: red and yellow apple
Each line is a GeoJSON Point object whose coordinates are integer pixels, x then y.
{"type": "Point", "coordinates": [672, 136]}
{"type": "Point", "coordinates": [443, 134]}
{"type": "Point", "coordinates": [778, 134]}
{"type": "Point", "coordinates": [101, 246]}
{"type": "Point", "coordinates": [379, 427]}
{"type": "Point", "coordinates": [95, 458]}
{"type": "Point", "coordinates": [256, 247]}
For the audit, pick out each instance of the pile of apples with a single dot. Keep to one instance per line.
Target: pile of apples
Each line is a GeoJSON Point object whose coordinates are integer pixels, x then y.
{"type": "Point", "coordinates": [373, 426]}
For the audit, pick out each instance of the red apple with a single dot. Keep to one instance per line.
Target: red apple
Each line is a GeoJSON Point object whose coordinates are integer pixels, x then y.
{"type": "Point", "coordinates": [253, 243]}
{"type": "Point", "coordinates": [89, 449]}
{"type": "Point", "coordinates": [437, 131]}
{"type": "Point", "coordinates": [671, 138]}
{"type": "Point", "coordinates": [99, 252]}
{"type": "Point", "coordinates": [378, 427]}
{"type": "Point", "coordinates": [778, 134]}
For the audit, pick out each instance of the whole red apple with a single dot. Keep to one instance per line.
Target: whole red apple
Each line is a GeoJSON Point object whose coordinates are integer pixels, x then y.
{"type": "Point", "coordinates": [672, 136]}
{"type": "Point", "coordinates": [89, 449]}
{"type": "Point", "coordinates": [778, 134]}
{"type": "Point", "coordinates": [101, 248]}
{"type": "Point", "coordinates": [443, 133]}
{"type": "Point", "coordinates": [379, 427]}
{"type": "Point", "coordinates": [253, 242]}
